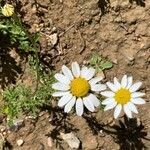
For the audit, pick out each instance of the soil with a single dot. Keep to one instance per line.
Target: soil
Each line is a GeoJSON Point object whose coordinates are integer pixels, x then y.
{"type": "Point", "coordinates": [119, 30]}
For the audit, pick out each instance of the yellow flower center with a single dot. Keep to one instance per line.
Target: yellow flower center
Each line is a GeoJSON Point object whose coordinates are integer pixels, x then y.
{"type": "Point", "coordinates": [79, 87]}
{"type": "Point", "coordinates": [122, 96]}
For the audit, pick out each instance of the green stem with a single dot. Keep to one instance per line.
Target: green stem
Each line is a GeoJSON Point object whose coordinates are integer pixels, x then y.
{"type": "Point", "coordinates": [18, 20]}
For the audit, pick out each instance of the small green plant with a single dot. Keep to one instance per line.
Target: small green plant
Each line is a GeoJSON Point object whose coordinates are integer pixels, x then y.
{"type": "Point", "coordinates": [16, 35]}
{"type": "Point", "coordinates": [100, 63]}
{"type": "Point", "coordinates": [13, 29]}
{"type": "Point", "coordinates": [20, 99]}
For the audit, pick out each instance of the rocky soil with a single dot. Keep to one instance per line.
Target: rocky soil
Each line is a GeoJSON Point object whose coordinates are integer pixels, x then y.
{"type": "Point", "coordinates": [71, 30]}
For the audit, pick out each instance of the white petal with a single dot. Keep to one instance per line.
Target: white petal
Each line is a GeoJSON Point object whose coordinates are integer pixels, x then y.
{"type": "Point", "coordinates": [67, 72]}
{"type": "Point", "coordinates": [88, 74]}
{"type": "Point", "coordinates": [64, 100]}
{"type": "Point", "coordinates": [139, 101]}
{"type": "Point", "coordinates": [108, 101]}
{"type": "Point", "coordinates": [116, 83]}
{"type": "Point", "coordinates": [124, 81]}
{"type": "Point", "coordinates": [83, 70]}
{"type": "Point", "coordinates": [62, 79]}
{"type": "Point", "coordinates": [79, 107]}
{"type": "Point", "coordinates": [137, 94]}
{"type": "Point", "coordinates": [108, 93]}
{"type": "Point", "coordinates": [117, 111]}
{"type": "Point", "coordinates": [132, 107]}
{"type": "Point", "coordinates": [95, 80]}
{"type": "Point", "coordinates": [135, 87]}
{"type": "Point", "coordinates": [110, 106]}
{"type": "Point", "coordinates": [59, 94]}
{"type": "Point", "coordinates": [75, 69]}
{"type": "Point", "coordinates": [88, 104]}
{"type": "Point", "coordinates": [94, 100]}
{"type": "Point", "coordinates": [112, 86]}
{"type": "Point", "coordinates": [127, 111]}
{"type": "Point", "coordinates": [98, 87]}
{"type": "Point", "coordinates": [70, 104]}
{"type": "Point", "coordinates": [60, 86]}
{"type": "Point", "coordinates": [130, 80]}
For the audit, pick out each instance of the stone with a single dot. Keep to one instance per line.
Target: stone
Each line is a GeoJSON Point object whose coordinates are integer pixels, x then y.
{"type": "Point", "coordinates": [4, 133]}
{"type": "Point", "coordinates": [53, 39]}
{"type": "Point", "coordinates": [145, 45]}
{"type": "Point", "coordinates": [17, 125]}
{"type": "Point", "coordinates": [90, 142]}
{"type": "Point", "coordinates": [110, 120]}
{"type": "Point", "coordinates": [41, 113]}
{"type": "Point", "coordinates": [118, 19]}
{"type": "Point", "coordinates": [101, 133]}
{"type": "Point", "coordinates": [138, 122]}
{"type": "Point", "coordinates": [71, 140]}
{"type": "Point", "coordinates": [20, 142]}
{"type": "Point", "coordinates": [124, 3]}
{"type": "Point", "coordinates": [114, 3]}
{"type": "Point", "coordinates": [142, 29]}
{"type": "Point", "coordinates": [129, 54]}
{"type": "Point", "coordinates": [54, 29]}
{"type": "Point", "coordinates": [49, 142]}
{"type": "Point", "coordinates": [100, 74]}
{"type": "Point", "coordinates": [2, 128]}
{"type": "Point", "coordinates": [95, 12]}
{"type": "Point", "coordinates": [30, 117]}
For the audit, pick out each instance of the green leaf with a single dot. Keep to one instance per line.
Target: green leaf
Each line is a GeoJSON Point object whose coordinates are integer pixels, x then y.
{"type": "Point", "coordinates": [3, 26]}
{"type": "Point", "coordinates": [35, 37]}
{"type": "Point", "coordinates": [100, 63]}
{"type": "Point", "coordinates": [107, 65]}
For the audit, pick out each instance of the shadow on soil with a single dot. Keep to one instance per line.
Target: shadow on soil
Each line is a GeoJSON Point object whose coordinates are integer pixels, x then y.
{"type": "Point", "coordinates": [8, 146]}
{"type": "Point", "coordinates": [61, 123]}
{"type": "Point", "coordinates": [138, 2]}
{"type": "Point", "coordinates": [104, 6]}
{"type": "Point", "coordinates": [9, 69]}
{"type": "Point", "coordinates": [128, 133]}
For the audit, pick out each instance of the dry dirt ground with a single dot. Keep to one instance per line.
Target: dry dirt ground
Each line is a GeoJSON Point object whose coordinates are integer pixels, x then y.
{"type": "Point", "coordinates": [116, 29]}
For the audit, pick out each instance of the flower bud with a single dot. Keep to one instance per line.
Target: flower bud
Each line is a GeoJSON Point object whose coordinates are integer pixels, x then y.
{"type": "Point", "coordinates": [7, 10]}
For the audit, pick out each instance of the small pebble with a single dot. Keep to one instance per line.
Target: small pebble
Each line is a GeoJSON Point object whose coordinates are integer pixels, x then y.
{"type": "Point", "coordinates": [41, 113]}
{"type": "Point", "coordinates": [4, 133]}
{"type": "Point", "coordinates": [53, 39]}
{"type": "Point", "coordinates": [2, 128]}
{"type": "Point", "coordinates": [100, 74]}
{"type": "Point", "coordinates": [71, 140]}
{"type": "Point", "coordinates": [20, 142]}
{"type": "Point", "coordinates": [49, 142]}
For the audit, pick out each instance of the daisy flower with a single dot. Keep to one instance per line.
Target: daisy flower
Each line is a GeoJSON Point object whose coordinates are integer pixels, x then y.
{"type": "Point", "coordinates": [7, 10]}
{"type": "Point", "coordinates": [123, 95]}
{"type": "Point", "coordinates": [76, 87]}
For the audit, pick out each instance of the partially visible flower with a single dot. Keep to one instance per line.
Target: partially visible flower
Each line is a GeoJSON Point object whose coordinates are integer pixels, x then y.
{"type": "Point", "coordinates": [7, 10]}
{"type": "Point", "coordinates": [76, 87]}
{"type": "Point", "coordinates": [123, 95]}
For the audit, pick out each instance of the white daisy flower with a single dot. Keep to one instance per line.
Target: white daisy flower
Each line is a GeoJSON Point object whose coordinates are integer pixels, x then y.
{"type": "Point", "coordinates": [76, 87]}
{"type": "Point", "coordinates": [123, 95]}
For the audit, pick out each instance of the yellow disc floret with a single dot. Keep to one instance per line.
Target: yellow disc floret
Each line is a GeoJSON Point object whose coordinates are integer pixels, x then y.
{"type": "Point", "coordinates": [8, 10]}
{"type": "Point", "coordinates": [122, 96]}
{"type": "Point", "coordinates": [79, 87]}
